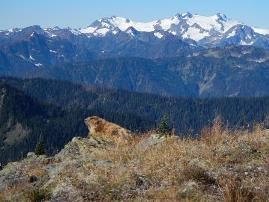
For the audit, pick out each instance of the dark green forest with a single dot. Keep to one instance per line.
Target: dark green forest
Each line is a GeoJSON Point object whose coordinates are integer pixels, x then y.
{"type": "Point", "coordinates": [54, 111]}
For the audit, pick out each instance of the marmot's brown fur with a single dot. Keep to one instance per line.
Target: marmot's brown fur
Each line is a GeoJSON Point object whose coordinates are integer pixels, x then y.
{"type": "Point", "coordinates": [106, 131]}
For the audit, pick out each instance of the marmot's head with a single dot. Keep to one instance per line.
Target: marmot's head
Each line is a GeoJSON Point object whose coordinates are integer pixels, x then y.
{"type": "Point", "coordinates": [94, 124]}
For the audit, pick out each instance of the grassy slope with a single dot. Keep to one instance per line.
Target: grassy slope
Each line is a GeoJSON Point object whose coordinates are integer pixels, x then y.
{"type": "Point", "coordinates": [223, 165]}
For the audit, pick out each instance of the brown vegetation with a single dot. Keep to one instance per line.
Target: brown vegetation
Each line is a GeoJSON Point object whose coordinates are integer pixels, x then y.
{"type": "Point", "coordinates": [223, 165]}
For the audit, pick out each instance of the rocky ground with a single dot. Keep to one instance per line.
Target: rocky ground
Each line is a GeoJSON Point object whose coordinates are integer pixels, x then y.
{"type": "Point", "coordinates": [114, 165]}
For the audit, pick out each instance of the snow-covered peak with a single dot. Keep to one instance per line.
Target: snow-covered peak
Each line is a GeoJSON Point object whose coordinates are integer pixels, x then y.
{"type": "Point", "coordinates": [240, 34]}
{"type": "Point", "coordinates": [185, 25]}
{"type": "Point", "coordinates": [217, 22]}
{"type": "Point", "coordinates": [115, 24]}
{"type": "Point", "coordinates": [131, 31]}
{"type": "Point", "coordinates": [194, 28]}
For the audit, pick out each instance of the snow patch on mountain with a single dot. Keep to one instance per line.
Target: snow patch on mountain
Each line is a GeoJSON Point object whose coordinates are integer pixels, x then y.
{"type": "Point", "coordinates": [31, 58]}
{"type": "Point", "coordinates": [217, 22]}
{"type": "Point", "coordinates": [53, 51]}
{"type": "Point", "coordinates": [22, 57]}
{"type": "Point", "coordinates": [166, 24]}
{"type": "Point", "coordinates": [245, 43]}
{"type": "Point", "coordinates": [260, 60]}
{"type": "Point", "coordinates": [158, 35]}
{"type": "Point", "coordinates": [123, 24]}
{"type": "Point", "coordinates": [195, 34]}
{"type": "Point", "coordinates": [38, 65]}
{"type": "Point", "coordinates": [102, 31]}
{"type": "Point", "coordinates": [88, 30]}
{"type": "Point", "coordinates": [231, 34]}
{"type": "Point", "coordinates": [261, 31]}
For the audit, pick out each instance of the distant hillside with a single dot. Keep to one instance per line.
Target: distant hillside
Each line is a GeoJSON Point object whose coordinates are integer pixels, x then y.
{"type": "Point", "coordinates": [25, 121]}
{"type": "Point", "coordinates": [54, 111]}
{"type": "Point", "coordinates": [184, 113]}
{"type": "Point", "coordinates": [217, 72]}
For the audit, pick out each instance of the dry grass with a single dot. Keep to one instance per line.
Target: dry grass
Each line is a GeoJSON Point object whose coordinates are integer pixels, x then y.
{"type": "Point", "coordinates": [223, 165]}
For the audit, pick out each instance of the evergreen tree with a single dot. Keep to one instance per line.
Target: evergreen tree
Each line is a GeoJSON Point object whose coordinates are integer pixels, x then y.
{"type": "Point", "coordinates": [40, 148]}
{"type": "Point", "coordinates": [163, 127]}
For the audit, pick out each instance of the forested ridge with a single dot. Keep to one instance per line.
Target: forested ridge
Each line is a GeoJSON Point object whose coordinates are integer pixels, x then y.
{"type": "Point", "coordinates": [54, 111]}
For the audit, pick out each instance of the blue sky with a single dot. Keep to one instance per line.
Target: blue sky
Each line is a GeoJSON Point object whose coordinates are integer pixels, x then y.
{"type": "Point", "coordinates": [80, 13]}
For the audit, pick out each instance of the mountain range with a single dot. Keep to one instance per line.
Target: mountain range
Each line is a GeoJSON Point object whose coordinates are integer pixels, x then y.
{"type": "Point", "coordinates": [185, 55]}
{"type": "Point", "coordinates": [207, 31]}
{"type": "Point", "coordinates": [196, 30]}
